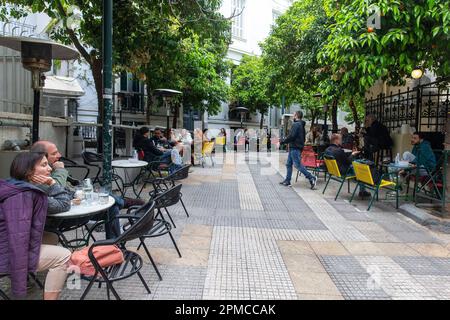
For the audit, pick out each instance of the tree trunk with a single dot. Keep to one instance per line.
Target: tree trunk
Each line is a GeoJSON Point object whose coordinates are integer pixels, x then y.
{"type": "Point", "coordinates": [447, 148]}
{"type": "Point", "coordinates": [334, 110]}
{"type": "Point", "coordinates": [97, 66]}
{"type": "Point", "coordinates": [149, 105]}
{"type": "Point", "coordinates": [261, 122]}
{"type": "Point", "coordinates": [354, 111]}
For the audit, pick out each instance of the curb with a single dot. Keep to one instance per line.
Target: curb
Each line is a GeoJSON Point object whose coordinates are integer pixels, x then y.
{"type": "Point", "coordinates": [424, 218]}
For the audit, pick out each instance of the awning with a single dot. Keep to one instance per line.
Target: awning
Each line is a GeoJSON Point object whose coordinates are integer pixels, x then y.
{"type": "Point", "coordinates": [62, 86]}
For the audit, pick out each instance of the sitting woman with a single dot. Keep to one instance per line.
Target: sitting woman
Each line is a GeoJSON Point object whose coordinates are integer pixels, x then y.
{"type": "Point", "coordinates": [23, 212]}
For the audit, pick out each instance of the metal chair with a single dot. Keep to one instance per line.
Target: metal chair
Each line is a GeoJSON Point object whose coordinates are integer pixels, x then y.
{"type": "Point", "coordinates": [364, 178]}
{"type": "Point", "coordinates": [72, 164]}
{"type": "Point", "coordinates": [311, 161]}
{"type": "Point", "coordinates": [207, 150]}
{"type": "Point", "coordinates": [335, 174]}
{"type": "Point", "coordinates": [161, 226]}
{"type": "Point", "coordinates": [163, 184]}
{"type": "Point", "coordinates": [95, 160]}
{"type": "Point", "coordinates": [139, 224]}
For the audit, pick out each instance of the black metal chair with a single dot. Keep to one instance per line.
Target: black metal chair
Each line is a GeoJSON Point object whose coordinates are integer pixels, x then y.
{"type": "Point", "coordinates": [95, 160]}
{"type": "Point", "coordinates": [72, 164]}
{"type": "Point", "coordinates": [163, 184]}
{"type": "Point", "coordinates": [139, 224]}
{"type": "Point", "coordinates": [161, 226]}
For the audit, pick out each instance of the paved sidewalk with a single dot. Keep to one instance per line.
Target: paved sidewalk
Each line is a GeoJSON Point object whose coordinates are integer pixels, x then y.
{"type": "Point", "coordinates": [250, 238]}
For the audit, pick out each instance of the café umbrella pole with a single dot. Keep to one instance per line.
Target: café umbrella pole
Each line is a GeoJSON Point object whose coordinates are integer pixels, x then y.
{"type": "Point", "coordinates": [107, 93]}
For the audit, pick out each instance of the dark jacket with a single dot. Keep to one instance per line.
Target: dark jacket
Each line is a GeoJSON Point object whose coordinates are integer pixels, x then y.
{"type": "Point", "coordinates": [23, 210]}
{"type": "Point", "coordinates": [344, 160]}
{"type": "Point", "coordinates": [296, 137]}
{"type": "Point", "coordinates": [377, 135]}
{"type": "Point", "coordinates": [304, 130]}
{"type": "Point", "coordinates": [151, 152]}
{"type": "Point", "coordinates": [424, 156]}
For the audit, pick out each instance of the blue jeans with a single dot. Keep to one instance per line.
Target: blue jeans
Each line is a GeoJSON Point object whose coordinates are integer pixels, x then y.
{"type": "Point", "coordinates": [112, 225]}
{"type": "Point", "coordinates": [295, 158]}
{"type": "Point", "coordinates": [167, 158]}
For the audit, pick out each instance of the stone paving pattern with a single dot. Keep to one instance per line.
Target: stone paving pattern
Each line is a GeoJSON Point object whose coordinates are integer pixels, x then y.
{"type": "Point", "coordinates": [250, 238]}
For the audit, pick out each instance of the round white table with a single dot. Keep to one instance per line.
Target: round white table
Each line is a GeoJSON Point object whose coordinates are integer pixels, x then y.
{"type": "Point", "coordinates": [83, 210]}
{"type": "Point", "coordinates": [126, 165]}
{"type": "Point", "coordinates": [78, 216]}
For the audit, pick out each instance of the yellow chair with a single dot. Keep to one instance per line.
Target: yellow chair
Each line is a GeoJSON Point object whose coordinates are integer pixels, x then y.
{"type": "Point", "coordinates": [207, 150]}
{"type": "Point", "coordinates": [364, 178]}
{"type": "Point", "coordinates": [335, 174]}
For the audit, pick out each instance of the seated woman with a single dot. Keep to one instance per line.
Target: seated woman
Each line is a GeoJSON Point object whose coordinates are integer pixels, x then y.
{"type": "Point", "coordinates": [27, 194]}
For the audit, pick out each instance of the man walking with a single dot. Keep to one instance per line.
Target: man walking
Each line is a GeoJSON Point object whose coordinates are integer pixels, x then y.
{"type": "Point", "coordinates": [296, 142]}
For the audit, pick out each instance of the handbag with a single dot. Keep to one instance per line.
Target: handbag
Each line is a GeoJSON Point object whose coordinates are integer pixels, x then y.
{"type": "Point", "coordinates": [106, 256]}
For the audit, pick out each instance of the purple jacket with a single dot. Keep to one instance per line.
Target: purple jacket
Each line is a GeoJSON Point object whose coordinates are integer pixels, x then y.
{"type": "Point", "coordinates": [23, 210]}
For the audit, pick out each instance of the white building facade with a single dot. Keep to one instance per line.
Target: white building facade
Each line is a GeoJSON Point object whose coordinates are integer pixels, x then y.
{"type": "Point", "coordinates": [251, 23]}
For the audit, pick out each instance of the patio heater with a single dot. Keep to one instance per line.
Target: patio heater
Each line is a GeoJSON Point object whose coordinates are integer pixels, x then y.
{"type": "Point", "coordinates": [167, 95]}
{"type": "Point", "coordinates": [37, 55]}
{"type": "Point", "coordinates": [242, 111]}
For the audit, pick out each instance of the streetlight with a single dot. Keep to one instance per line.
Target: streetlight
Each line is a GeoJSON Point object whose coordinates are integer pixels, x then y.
{"type": "Point", "coordinates": [37, 55]}
{"type": "Point", "coordinates": [417, 73]}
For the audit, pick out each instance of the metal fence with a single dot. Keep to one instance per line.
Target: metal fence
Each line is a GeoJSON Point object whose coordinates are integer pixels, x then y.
{"type": "Point", "coordinates": [424, 108]}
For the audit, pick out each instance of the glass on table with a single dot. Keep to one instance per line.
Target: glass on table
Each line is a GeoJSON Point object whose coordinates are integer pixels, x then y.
{"type": "Point", "coordinates": [103, 196]}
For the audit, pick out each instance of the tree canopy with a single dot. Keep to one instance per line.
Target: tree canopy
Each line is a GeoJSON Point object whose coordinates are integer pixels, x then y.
{"type": "Point", "coordinates": [250, 86]}
{"type": "Point", "coordinates": [152, 39]}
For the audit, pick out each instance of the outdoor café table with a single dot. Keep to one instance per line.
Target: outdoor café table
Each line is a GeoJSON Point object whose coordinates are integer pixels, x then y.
{"type": "Point", "coordinates": [126, 165]}
{"type": "Point", "coordinates": [77, 216]}
{"type": "Point", "coordinates": [394, 172]}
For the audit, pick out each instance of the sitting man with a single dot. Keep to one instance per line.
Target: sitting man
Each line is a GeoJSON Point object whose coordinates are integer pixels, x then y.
{"type": "Point", "coordinates": [422, 155]}
{"type": "Point", "coordinates": [344, 160]}
{"type": "Point", "coordinates": [60, 174]}
{"type": "Point", "coordinates": [376, 138]}
{"type": "Point", "coordinates": [153, 150]}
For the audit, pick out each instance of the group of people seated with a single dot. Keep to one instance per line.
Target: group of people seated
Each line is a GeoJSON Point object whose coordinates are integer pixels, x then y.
{"type": "Point", "coordinates": [173, 150]}
{"type": "Point", "coordinates": [39, 187]}
{"type": "Point", "coordinates": [421, 157]}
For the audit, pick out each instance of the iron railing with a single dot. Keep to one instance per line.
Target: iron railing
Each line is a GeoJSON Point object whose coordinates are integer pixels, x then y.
{"type": "Point", "coordinates": [424, 108]}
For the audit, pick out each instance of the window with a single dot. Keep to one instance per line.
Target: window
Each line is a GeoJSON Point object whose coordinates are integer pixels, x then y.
{"type": "Point", "coordinates": [237, 28]}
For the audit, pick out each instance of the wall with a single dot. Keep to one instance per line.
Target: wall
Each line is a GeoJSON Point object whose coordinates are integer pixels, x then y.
{"type": "Point", "coordinates": [47, 129]}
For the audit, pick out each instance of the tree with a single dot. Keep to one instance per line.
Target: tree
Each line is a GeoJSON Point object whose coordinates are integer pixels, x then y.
{"type": "Point", "coordinates": [147, 40]}
{"type": "Point", "coordinates": [290, 53]}
{"type": "Point", "coordinates": [178, 47]}
{"type": "Point", "coordinates": [413, 33]}
{"type": "Point", "coordinates": [250, 86]}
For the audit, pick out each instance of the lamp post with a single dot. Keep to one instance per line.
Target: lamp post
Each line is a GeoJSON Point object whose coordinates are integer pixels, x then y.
{"type": "Point", "coordinates": [106, 142]}
{"type": "Point", "coordinates": [37, 55]}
